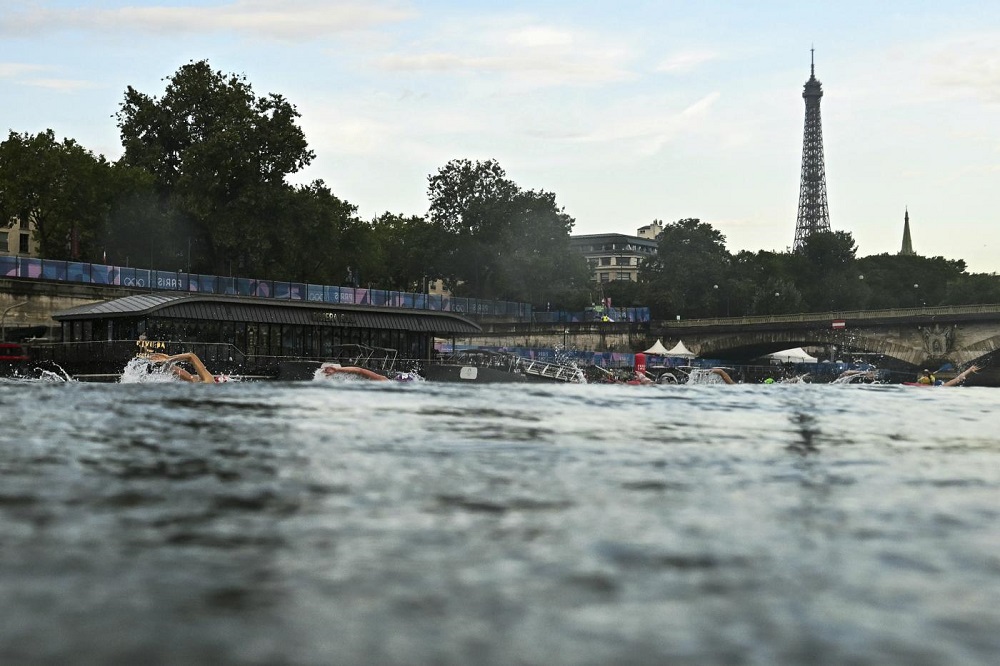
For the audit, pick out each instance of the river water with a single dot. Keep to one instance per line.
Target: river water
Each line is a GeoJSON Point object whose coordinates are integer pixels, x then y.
{"type": "Point", "coordinates": [422, 523]}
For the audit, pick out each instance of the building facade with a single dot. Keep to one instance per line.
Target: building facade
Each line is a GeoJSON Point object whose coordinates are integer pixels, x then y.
{"type": "Point", "coordinates": [16, 240]}
{"type": "Point", "coordinates": [614, 257]}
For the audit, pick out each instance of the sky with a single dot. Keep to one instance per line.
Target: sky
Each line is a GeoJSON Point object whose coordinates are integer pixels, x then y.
{"type": "Point", "coordinates": [628, 111]}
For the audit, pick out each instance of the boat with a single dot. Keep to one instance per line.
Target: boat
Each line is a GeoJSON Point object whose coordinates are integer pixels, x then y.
{"type": "Point", "coordinates": [483, 366]}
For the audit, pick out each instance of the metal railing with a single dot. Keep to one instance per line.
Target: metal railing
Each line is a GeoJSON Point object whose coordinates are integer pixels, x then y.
{"type": "Point", "coordinates": [846, 315]}
{"type": "Point", "coordinates": [152, 280]}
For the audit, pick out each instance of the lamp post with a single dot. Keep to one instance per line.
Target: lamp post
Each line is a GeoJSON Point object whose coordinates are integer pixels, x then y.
{"type": "Point", "coordinates": [3, 320]}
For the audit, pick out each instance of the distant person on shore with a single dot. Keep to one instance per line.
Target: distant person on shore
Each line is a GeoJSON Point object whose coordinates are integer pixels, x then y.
{"type": "Point", "coordinates": [201, 373]}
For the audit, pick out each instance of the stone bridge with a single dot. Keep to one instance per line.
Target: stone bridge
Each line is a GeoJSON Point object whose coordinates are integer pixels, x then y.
{"type": "Point", "coordinates": [906, 338]}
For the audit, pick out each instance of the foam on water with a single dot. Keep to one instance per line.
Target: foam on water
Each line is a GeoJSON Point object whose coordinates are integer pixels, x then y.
{"type": "Point", "coordinates": [141, 371]}
{"type": "Point", "coordinates": [703, 376]}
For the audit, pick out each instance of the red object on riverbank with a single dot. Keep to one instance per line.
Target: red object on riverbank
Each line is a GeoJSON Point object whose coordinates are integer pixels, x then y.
{"type": "Point", "coordinates": [11, 352]}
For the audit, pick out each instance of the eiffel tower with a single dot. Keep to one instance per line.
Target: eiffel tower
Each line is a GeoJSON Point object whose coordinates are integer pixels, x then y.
{"type": "Point", "coordinates": [814, 214]}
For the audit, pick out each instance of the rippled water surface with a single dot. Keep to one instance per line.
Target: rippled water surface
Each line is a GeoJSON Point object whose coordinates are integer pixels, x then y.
{"type": "Point", "coordinates": [384, 523]}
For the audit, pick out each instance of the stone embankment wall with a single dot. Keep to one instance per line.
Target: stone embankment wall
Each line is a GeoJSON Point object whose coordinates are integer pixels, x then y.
{"type": "Point", "coordinates": [42, 299]}
{"type": "Point", "coordinates": [596, 336]}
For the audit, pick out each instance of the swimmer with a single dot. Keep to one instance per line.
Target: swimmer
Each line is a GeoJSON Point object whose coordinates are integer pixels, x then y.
{"type": "Point", "coordinates": [331, 369]}
{"type": "Point", "coordinates": [201, 373]}
{"type": "Point", "coordinates": [852, 376]}
{"type": "Point", "coordinates": [724, 375]}
{"type": "Point", "coordinates": [640, 378]}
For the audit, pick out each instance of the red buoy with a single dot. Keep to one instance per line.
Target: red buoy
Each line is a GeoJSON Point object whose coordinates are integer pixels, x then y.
{"type": "Point", "coordinates": [640, 363]}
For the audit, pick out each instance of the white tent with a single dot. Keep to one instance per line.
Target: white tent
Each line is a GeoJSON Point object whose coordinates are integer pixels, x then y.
{"type": "Point", "coordinates": [797, 355]}
{"type": "Point", "coordinates": [680, 350]}
{"type": "Point", "coordinates": [658, 349]}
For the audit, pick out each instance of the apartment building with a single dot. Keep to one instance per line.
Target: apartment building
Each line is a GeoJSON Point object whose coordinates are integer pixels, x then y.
{"type": "Point", "coordinates": [16, 240]}
{"type": "Point", "coordinates": [614, 257]}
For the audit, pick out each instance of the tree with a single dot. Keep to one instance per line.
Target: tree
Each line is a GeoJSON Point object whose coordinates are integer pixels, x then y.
{"type": "Point", "coordinates": [141, 230]}
{"type": "Point", "coordinates": [505, 242]}
{"type": "Point", "coordinates": [910, 280]}
{"type": "Point", "coordinates": [826, 272]}
{"type": "Point", "coordinates": [409, 252]}
{"type": "Point", "coordinates": [472, 202]}
{"type": "Point", "coordinates": [319, 236]}
{"type": "Point", "coordinates": [219, 155]}
{"type": "Point", "coordinates": [973, 289]}
{"type": "Point", "coordinates": [540, 267]}
{"type": "Point", "coordinates": [758, 275]}
{"type": "Point", "coordinates": [680, 279]}
{"type": "Point", "coordinates": [61, 187]}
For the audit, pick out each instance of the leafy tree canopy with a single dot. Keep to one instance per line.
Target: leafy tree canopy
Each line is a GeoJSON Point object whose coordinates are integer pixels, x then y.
{"type": "Point", "coordinates": [505, 242]}
{"type": "Point", "coordinates": [60, 186]}
{"type": "Point", "coordinates": [220, 155]}
{"type": "Point", "coordinates": [691, 259]}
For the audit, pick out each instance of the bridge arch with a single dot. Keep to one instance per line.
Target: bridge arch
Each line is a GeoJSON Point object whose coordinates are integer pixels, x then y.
{"type": "Point", "coordinates": [754, 345]}
{"type": "Point", "coordinates": [910, 337]}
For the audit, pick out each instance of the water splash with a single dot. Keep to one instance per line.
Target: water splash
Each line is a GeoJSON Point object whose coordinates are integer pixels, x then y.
{"type": "Point", "coordinates": [857, 377]}
{"type": "Point", "coordinates": [399, 376]}
{"type": "Point", "coordinates": [703, 376]}
{"type": "Point", "coordinates": [141, 371]}
{"type": "Point", "coordinates": [49, 372]}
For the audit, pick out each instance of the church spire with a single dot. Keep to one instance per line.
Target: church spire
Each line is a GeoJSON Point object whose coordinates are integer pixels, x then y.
{"type": "Point", "coordinates": [907, 248]}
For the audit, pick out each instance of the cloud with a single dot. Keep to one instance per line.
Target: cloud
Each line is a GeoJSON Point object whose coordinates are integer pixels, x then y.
{"type": "Point", "coordinates": [530, 67]}
{"type": "Point", "coordinates": [649, 133]}
{"type": "Point", "coordinates": [686, 61]}
{"type": "Point", "coordinates": [12, 70]}
{"type": "Point", "coordinates": [539, 36]}
{"type": "Point", "coordinates": [277, 19]}
{"type": "Point", "coordinates": [21, 74]}
{"type": "Point", "coordinates": [968, 67]}
{"type": "Point", "coordinates": [527, 54]}
{"type": "Point", "coordinates": [64, 85]}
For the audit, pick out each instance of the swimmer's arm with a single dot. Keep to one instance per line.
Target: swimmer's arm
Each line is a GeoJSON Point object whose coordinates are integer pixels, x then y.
{"type": "Point", "coordinates": [725, 375]}
{"type": "Point", "coordinates": [201, 371]}
{"type": "Point", "coordinates": [354, 370]}
{"type": "Point", "coordinates": [960, 377]}
{"type": "Point", "coordinates": [365, 372]}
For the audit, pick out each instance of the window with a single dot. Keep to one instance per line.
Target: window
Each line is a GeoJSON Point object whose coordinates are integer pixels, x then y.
{"type": "Point", "coordinates": [24, 244]}
{"type": "Point", "coordinates": [605, 261]}
{"type": "Point", "coordinates": [605, 277]}
{"type": "Point", "coordinates": [624, 261]}
{"type": "Point", "coordinates": [622, 275]}
{"type": "Point", "coordinates": [3, 242]}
